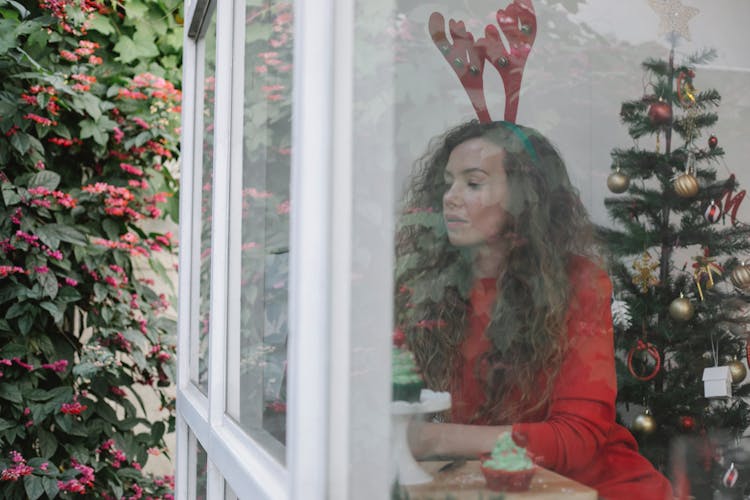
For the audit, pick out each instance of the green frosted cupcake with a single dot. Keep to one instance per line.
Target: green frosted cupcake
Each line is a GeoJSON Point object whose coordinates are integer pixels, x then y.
{"type": "Point", "coordinates": [407, 382]}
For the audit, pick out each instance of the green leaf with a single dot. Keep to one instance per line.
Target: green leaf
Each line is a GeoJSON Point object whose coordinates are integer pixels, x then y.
{"type": "Point", "coordinates": [157, 431]}
{"type": "Point", "coordinates": [52, 234]}
{"type": "Point", "coordinates": [48, 281]}
{"type": "Point", "coordinates": [45, 178]}
{"type": "Point", "coordinates": [141, 46]}
{"type": "Point", "coordinates": [10, 196]}
{"type": "Point", "coordinates": [6, 424]}
{"type": "Point", "coordinates": [101, 24]}
{"type": "Point", "coordinates": [68, 294]}
{"type": "Point", "coordinates": [47, 442]}
{"type": "Point", "coordinates": [26, 322]}
{"type": "Point", "coordinates": [91, 129]}
{"type": "Point", "coordinates": [10, 392]}
{"type": "Point", "coordinates": [90, 103]}
{"type": "Point", "coordinates": [34, 487]}
{"type": "Point", "coordinates": [20, 8]}
{"type": "Point", "coordinates": [9, 292]}
{"type": "Point", "coordinates": [100, 292]}
{"type": "Point", "coordinates": [20, 141]}
{"type": "Point", "coordinates": [135, 9]}
{"type": "Point", "coordinates": [85, 369]}
{"type": "Point", "coordinates": [55, 312]}
{"type": "Point", "coordinates": [16, 310]}
{"type": "Point", "coordinates": [50, 487]}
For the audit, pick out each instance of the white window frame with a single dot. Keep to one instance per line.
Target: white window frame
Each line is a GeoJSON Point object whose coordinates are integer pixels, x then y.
{"type": "Point", "coordinates": [319, 424]}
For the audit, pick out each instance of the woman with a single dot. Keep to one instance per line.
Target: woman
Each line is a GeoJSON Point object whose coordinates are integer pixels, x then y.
{"type": "Point", "coordinates": [503, 306]}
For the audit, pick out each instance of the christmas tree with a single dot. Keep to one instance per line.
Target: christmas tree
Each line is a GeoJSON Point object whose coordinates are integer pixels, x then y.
{"type": "Point", "coordinates": [680, 299]}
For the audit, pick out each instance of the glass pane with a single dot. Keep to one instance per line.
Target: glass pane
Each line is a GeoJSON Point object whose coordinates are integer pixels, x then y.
{"type": "Point", "coordinates": [264, 226]}
{"type": "Point", "coordinates": [229, 493]}
{"type": "Point", "coordinates": [500, 294]}
{"type": "Point", "coordinates": [199, 457]}
{"type": "Point", "coordinates": [205, 193]}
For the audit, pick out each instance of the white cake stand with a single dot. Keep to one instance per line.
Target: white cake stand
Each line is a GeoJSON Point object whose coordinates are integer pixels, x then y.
{"type": "Point", "coordinates": [406, 468]}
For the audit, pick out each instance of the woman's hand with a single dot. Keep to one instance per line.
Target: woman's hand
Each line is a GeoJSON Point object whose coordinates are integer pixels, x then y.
{"type": "Point", "coordinates": [421, 436]}
{"type": "Point", "coordinates": [428, 439]}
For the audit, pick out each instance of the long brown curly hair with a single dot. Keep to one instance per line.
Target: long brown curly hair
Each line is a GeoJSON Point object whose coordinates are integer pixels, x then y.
{"type": "Point", "coordinates": [433, 278]}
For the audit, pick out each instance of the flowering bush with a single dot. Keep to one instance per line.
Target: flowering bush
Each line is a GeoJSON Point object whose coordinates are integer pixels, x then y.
{"type": "Point", "coordinates": [88, 124]}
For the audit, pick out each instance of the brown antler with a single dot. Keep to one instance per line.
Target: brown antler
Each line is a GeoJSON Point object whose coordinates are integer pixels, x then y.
{"type": "Point", "coordinates": [467, 57]}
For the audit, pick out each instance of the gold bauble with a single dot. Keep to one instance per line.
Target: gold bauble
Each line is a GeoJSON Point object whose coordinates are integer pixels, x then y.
{"type": "Point", "coordinates": [686, 185]}
{"type": "Point", "coordinates": [644, 423]}
{"type": "Point", "coordinates": [681, 309]}
{"type": "Point", "coordinates": [617, 182]}
{"type": "Point", "coordinates": [737, 370]}
{"type": "Point", "coordinates": [741, 276]}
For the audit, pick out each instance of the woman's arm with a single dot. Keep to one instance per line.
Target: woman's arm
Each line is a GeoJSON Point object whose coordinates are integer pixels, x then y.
{"type": "Point", "coordinates": [428, 439]}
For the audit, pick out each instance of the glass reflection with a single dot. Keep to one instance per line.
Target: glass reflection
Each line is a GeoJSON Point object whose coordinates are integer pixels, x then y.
{"type": "Point", "coordinates": [205, 193]}
{"type": "Point", "coordinates": [265, 207]}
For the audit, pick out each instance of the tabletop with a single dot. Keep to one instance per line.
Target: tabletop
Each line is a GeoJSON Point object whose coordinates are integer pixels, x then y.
{"type": "Point", "coordinates": [467, 483]}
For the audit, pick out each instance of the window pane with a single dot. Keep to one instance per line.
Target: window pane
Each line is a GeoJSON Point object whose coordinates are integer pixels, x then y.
{"type": "Point", "coordinates": [259, 403]}
{"type": "Point", "coordinates": [205, 192]}
{"type": "Point", "coordinates": [475, 324]}
{"type": "Point", "coordinates": [199, 458]}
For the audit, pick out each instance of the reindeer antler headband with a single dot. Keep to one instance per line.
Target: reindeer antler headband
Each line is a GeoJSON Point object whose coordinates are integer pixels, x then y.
{"type": "Point", "coordinates": [506, 52]}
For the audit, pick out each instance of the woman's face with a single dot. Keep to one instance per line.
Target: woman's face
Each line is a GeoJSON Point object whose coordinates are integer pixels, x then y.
{"type": "Point", "coordinates": [477, 189]}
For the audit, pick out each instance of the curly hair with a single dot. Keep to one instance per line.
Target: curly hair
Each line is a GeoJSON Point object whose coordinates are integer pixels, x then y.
{"type": "Point", "coordinates": [433, 278]}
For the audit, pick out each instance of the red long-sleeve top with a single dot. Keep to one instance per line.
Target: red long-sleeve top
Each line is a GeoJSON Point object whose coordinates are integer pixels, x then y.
{"type": "Point", "coordinates": [576, 435]}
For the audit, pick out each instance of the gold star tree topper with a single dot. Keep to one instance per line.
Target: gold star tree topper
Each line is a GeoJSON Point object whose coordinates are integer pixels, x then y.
{"type": "Point", "coordinates": [673, 16]}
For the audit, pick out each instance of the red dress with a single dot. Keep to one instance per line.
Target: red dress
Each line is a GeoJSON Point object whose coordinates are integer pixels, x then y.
{"type": "Point", "coordinates": [576, 435]}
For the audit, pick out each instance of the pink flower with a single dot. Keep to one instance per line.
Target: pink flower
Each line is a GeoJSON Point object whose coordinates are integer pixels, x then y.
{"type": "Point", "coordinates": [131, 169]}
{"type": "Point", "coordinates": [283, 207]}
{"type": "Point", "coordinates": [58, 366]}
{"type": "Point", "coordinates": [68, 55]}
{"type": "Point", "coordinates": [39, 119]}
{"type": "Point", "coordinates": [74, 408]}
{"type": "Point", "coordinates": [71, 282]}
{"type": "Point", "coordinates": [141, 122]}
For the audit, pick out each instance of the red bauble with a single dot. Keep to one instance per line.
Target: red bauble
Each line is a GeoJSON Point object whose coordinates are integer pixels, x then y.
{"type": "Point", "coordinates": [660, 113]}
{"type": "Point", "coordinates": [398, 337]}
{"type": "Point", "coordinates": [712, 213]}
{"type": "Point", "coordinates": [713, 142]}
{"type": "Point", "coordinates": [687, 423]}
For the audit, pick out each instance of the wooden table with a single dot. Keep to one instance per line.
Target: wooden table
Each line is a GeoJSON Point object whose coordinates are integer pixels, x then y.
{"type": "Point", "coordinates": [467, 483]}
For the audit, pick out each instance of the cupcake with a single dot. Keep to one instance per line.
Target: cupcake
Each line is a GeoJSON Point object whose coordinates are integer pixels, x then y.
{"type": "Point", "coordinates": [407, 382]}
{"type": "Point", "coordinates": [508, 467]}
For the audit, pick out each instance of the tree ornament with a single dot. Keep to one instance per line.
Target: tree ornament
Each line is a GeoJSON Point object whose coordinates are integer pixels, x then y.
{"type": "Point", "coordinates": [649, 350]}
{"type": "Point", "coordinates": [737, 370]}
{"type": "Point", "coordinates": [681, 309]}
{"type": "Point", "coordinates": [729, 479]}
{"type": "Point", "coordinates": [713, 141]}
{"type": "Point", "coordinates": [644, 277]}
{"type": "Point", "coordinates": [644, 423]}
{"type": "Point", "coordinates": [660, 113]}
{"type": "Point", "coordinates": [740, 276]}
{"type": "Point", "coordinates": [686, 423]}
{"type": "Point", "coordinates": [617, 182]}
{"type": "Point", "coordinates": [705, 267]}
{"type": "Point", "coordinates": [686, 185]}
{"type": "Point", "coordinates": [712, 213]}
{"type": "Point", "coordinates": [673, 17]}
{"type": "Point", "coordinates": [621, 316]}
